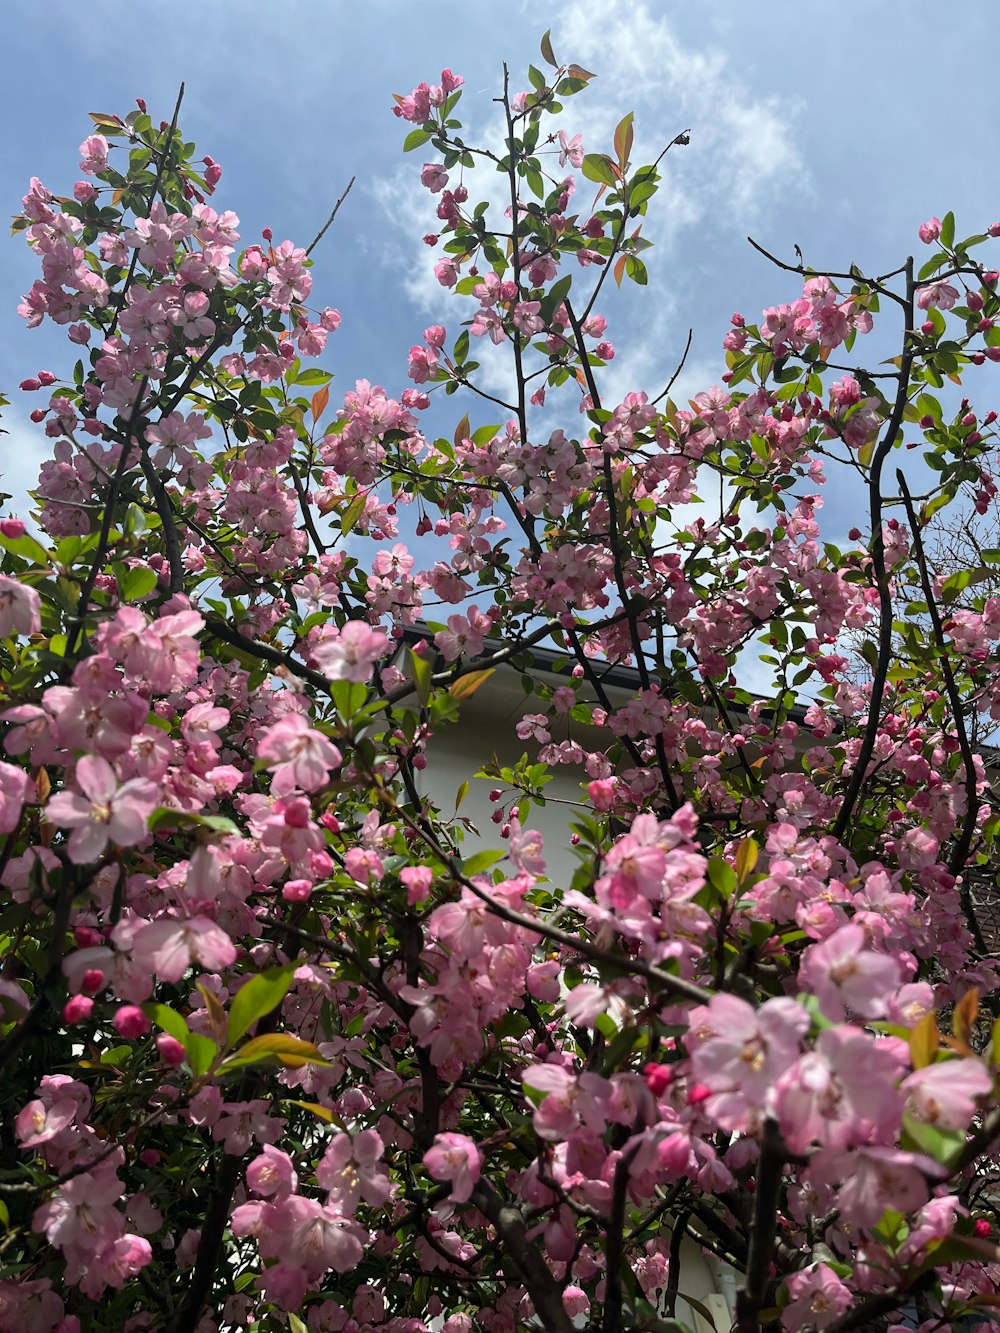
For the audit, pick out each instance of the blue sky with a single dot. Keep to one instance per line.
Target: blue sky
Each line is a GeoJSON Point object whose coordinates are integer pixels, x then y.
{"type": "Point", "coordinates": [837, 127]}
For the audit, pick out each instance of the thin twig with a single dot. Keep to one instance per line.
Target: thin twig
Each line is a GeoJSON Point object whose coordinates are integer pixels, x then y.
{"type": "Point", "coordinates": [680, 366]}
{"type": "Point", "coordinates": [107, 520]}
{"type": "Point", "coordinates": [806, 272]}
{"type": "Point", "coordinates": [329, 222]}
{"type": "Point", "coordinates": [960, 852]}
{"type": "Point", "coordinates": [157, 179]}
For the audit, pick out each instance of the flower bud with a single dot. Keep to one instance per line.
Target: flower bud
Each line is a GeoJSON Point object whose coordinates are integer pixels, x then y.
{"type": "Point", "coordinates": [130, 1022]}
{"type": "Point", "coordinates": [77, 1009]}
{"type": "Point", "coordinates": [171, 1051]}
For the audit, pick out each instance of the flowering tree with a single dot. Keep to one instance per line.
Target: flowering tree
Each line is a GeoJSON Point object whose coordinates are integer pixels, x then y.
{"type": "Point", "coordinates": [279, 1048]}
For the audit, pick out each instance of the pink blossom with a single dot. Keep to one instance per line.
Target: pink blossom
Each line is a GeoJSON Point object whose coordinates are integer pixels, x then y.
{"type": "Point", "coordinates": [105, 812]}
{"type": "Point", "coordinates": [352, 653]}
{"type": "Point", "coordinates": [464, 636]}
{"type": "Point", "coordinates": [930, 230]}
{"type": "Point", "coordinates": [527, 848]}
{"type": "Point", "coordinates": [94, 154]}
{"type": "Point", "coordinates": [938, 294]}
{"type": "Point", "coordinates": [569, 1100]}
{"type": "Point", "coordinates": [418, 880]}
{"type": "Point", "coordinates": [166, 947]}
{"type": "Point", "coordinates": [455, 1158]}
{"type": "Point", "coordinates": [130, 1022]}
{"type": "Point", "coordinates": [243, 1123]}
{"type": "Point", "coordinates": [171, 1051]}
{"type": "Point", "coordinates": [846, 976]}
{"type": "Point", "coordinates": [816, 1297]}
{"type": "Point", "coordinates": [352, 1170]}
{"type": "Point", "coordinates": [840, 1092]}
{"type": "Point", "coordinates": [16, 789]}
{"type": "Point", "coordinates": [297, 755]}
{"type": "Point", "coordinates": [738, 1052]}
{"type": "Point", "coordinates": [434, 177]}
{"type": "Point", "coordinates": [81, 1216]}
{"type": "Point", "coordinates": [37, 1123]}
{"type": "Point", "coordinates": [14, 1002]}
{"type": "Point", "coordinates": [20, 608]}
{"type": "Point", "coordinates": [945, 1094]}
{"type": "Point", "coordinates": [570, 150]}
{"type": "Point", "coordinates": [302, 1233]}
{"type": "Point", "coordinates": [874, 1178]}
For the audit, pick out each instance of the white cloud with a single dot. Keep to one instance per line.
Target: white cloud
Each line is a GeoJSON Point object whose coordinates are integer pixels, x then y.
{"type": "Point", "coordinates": [741, 142]}
{"type": "Point", "coordinates": [23, 449]}
{"type": "Point", "coordinates": [741, 147]}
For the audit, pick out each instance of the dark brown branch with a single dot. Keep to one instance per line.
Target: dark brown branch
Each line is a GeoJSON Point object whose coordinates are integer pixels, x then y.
{"type": "Point", "coordinates": [615, 1244]}
{"type": "Point", "coordinates": [674, 1270]}
{"type": "Point", "coordinates": [878, 564]}
{"type": "Point", "coordinates": [165, 509]}
{"type": "Point", "coordinates": [752, 1295]}
{"type": "Point", "coordinates": [266, 653]}
{"type": "Point", "coordinates": [863, 1316]}
{"type": "Point", "coordinates": [805, 272]}
{"type": "Point", "coordinates": [960, 852]}
{"type": "Point", "coordinates": [212, 1230]}
{"type": "Point", "coordinates": [16, 1038]}
{"type": "Point", "coordinates": [525, 1256]}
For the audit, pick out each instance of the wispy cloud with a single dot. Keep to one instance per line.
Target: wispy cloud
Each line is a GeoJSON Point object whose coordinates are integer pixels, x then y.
{"type": "Point", "coordinates": [742, 145]}
{"type": "Point", "coordinates": [23, 449]}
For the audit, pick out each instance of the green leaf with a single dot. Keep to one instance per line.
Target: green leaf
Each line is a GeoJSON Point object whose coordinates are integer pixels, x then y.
{"type": "Point", "coordinates": [943, 1145]}
{"type": "Point", "coordinates": [546, 49]}
{"type": "Point", "coordinates": [321, 1112]}
{"type": "Point", "coordinates": [624, 133]}
{"type": "Point", "coordinates": [165, 817]}
{"type": "Point", "coordinates": [948, 231]}
{"type": "Point", "coordinates": [169, 1020]}
{"type": "Point", "coordinates": [636, 270]}
{"type": "Point", "coordinates": [415, 139]}
{"type": "Point", "coordinates": [257, 997]}
{"type": "Point", "coordinates": [607, 1026]}
{"type": "Point", "coordinates": [202, 1052]}
{"type": "Point", "coordinates": [955, 584]}
{"type": "Point", "coordinates": [349, 697]}
{"type": "Point", "coordinates": [598, 167]}
{"type": "Point", "coordinates": [138, 583]}
{"type": "Point", "coordinates": [421, 676]}
{"type": "Point", "coordinates": [26, 547]}
{"type": "Point", "coordinates": [290, 1052]}
{"type": "Point", "coordinates": [722, 876]}
{"type": "Point", "coordinates": [313, 376]}
{"type": "Point", "coordinates": [352, 513]}
{"type": "Point", "coordinates": [475, 865]}
{"type": "Point", "coordinates": [466, 686]}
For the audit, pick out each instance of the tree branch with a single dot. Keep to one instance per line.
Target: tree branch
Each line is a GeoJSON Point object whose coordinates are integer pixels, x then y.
{"type": "Point", "coordinates": [960, 852]}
